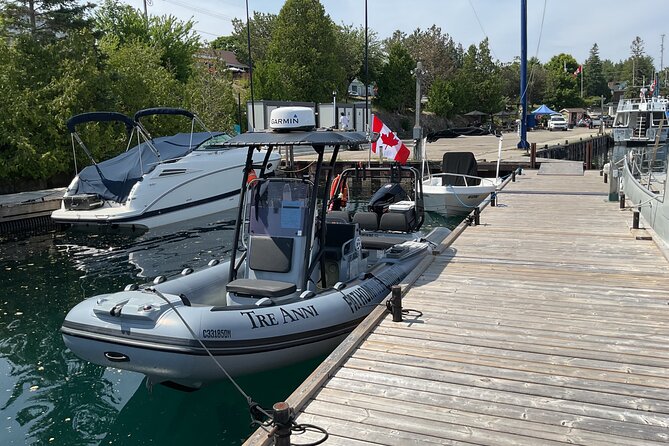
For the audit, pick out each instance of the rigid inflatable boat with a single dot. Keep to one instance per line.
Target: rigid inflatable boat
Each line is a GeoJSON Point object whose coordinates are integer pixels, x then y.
{"type": "Point", "coordinates": [301, 277]}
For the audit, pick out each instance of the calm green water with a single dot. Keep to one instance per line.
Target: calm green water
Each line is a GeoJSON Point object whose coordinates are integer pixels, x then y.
{"type": "Point", "coordinates": [49, 396]}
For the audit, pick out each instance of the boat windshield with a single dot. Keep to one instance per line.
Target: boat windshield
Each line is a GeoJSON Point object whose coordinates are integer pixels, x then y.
{"type": "Point", "coordinates": [214, 142]}
{"type": "Point", "coordinates": [279, 207]}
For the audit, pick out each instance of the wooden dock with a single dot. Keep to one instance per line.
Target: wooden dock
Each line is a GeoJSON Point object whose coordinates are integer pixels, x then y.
{"type": "Point", "coordinates": [546, 324]}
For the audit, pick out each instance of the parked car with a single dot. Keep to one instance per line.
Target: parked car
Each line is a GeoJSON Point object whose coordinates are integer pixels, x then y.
{"type": "Point", "coordinates": [557, 122]}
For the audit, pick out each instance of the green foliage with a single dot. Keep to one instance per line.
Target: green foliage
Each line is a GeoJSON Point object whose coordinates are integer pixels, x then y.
{"type": "Point", "coordinates": [594, 82]}
{"type": "Point", "coordinates": [437, 51]}
{"type": "Point", "coordinates": [176, 41]}
{"type": "Point", "coordinates": [302, 61]}
{"type": "Point", "coordinates": [352, 53]}
{"type": "Point", "coordinates": [261, 27]}
{"type": "Point", "coordinates": [562, 87]}
{"type": "Point", "coordinates": [44, 19]}
{"type": "Point", "coordinates": [397, 86]}
{"type": "Point", "coordinates": [439, 98]}
{"type": "Point", "coordinates": [477, 85]}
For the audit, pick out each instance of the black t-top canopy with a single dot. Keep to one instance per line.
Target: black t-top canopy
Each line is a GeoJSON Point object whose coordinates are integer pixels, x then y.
{"type": "Point", "coordinates": [312, 138]}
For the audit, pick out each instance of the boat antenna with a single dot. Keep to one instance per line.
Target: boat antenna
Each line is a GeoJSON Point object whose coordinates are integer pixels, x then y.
{"type": "Point", "coordinates": [248, 44]}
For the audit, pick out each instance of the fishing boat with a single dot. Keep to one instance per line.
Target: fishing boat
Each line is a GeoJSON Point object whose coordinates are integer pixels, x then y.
{"type": "Point", "coordinates": [159, 181]}
{"type": "Point", "coordinates": [638, 120]}
{"type": "Point", "coordinates": [299, 279]}
{"type": "Point", "coordinates": [458, 188]}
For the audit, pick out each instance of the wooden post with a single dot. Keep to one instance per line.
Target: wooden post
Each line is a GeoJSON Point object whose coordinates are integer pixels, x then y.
{"type": "Point", "coordinates": [396, 303]}
{"type": "Point", "coordinates": [281, 432]}
{"type": "Point", "coordinates": [588, 155]}
{"type": "Point", "coordinates": [622, 200]}
{"type": "Point", "coordinates": [533, 155]}
{"type": "Point", "coordinates": [635, 219]}
{"type": "Point", "coordinates": [477, 216]}
{"type": "Point", "coordinates": [606, 178]}
{"type": "Point", "coordinates": [493, 199]}
{"type": "Point", "coordinates": [513, 176]}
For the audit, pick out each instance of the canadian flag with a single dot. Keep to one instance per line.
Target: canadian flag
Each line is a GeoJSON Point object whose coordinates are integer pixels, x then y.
{"type": "Point", "coordinates": [388, 143]}
{"type": "Point", "coordinates": [653, 85]}
{"type": "Point", "coordinates": [578, 70]}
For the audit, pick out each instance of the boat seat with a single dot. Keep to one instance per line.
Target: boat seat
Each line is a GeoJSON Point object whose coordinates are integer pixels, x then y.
{"type": "Point", "coordinates": [338, 217]}
{"type": "Point", "coordinates": [369, 242]}
{"type": "Point", "coordinates": [271, 254]}
{"type": "Point", "coordinates": [339, 239]}
{"type": "Point", "coordinates": [394, 221]}
{"type": "Point", "coordinates": [366, 220]}
{"type": "Point", "coordinates": [260, 288]}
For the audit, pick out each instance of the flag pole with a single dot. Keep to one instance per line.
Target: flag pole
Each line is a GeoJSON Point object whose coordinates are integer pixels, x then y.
{"type": "Point", "coordinates": [581, 80]}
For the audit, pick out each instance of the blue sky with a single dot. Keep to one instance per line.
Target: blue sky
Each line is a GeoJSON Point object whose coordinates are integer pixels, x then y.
{"type": "Point", "coordinates": [570, 26]}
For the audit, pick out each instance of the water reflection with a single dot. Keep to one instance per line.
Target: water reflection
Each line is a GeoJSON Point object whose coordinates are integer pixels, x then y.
{"type": "Point", "coordinates": [49, 396]}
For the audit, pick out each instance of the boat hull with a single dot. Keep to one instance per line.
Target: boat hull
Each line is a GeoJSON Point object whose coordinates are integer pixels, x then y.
{"type": "Point", "coordinates": [455, 200]}
{"type": "Point", "coordinates": [651, 204]}
{"type": "Point", "coordinates": [139, 331]}
{"type": "Point", "coordinates": [200, 184]}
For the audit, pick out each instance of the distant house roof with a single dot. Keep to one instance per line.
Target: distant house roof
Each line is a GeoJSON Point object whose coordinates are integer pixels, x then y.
{"type": "Point", "coordinates": [573, 110]}
{"type": "Point", "coordinates": [228, 57]}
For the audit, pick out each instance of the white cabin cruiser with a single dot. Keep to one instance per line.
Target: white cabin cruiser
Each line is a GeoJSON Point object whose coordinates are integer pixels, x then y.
{"type": "Point", "coordinates": [159, 181]}
{"type": "Point", "coordinates": [300, 280]}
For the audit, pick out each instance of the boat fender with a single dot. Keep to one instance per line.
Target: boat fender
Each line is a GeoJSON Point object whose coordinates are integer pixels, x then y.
{"type": "Point", "coordinates": [186, 271]}
{"type": "Point", "coordinates": [158, 280]}
{"type": "Point", "coordinates": [341, 197]}
{"type": "Point", "coordinates": [339, 286]}
{"type": "Point", "coordinates": [307, 294]}
{"type": "Point", "coordinates": [251, 177]}
{"type": "Point", "coordinates": [213, 262]}
{"type": "Point", "coordinates": [131, 287]}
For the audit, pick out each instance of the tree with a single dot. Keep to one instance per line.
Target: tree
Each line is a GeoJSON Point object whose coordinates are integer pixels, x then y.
{"type": "Point", "coordinates": [562, 88]}
{"type": "Point", "coordinates": [638, 70]}
{"type": "Point", "coordinates": [176, 40]}
{"type": "Point", "coordinates": [594, 82]}
{"type": "Point", "coordinates": [302, 61]}
{"type": "Point", "coordinates": [352, 53]}
{"type": "Point", "coordinates": [436, 51]}
{"type": "Point", "coordinates": [44, 18]}
{"type": "Point", "coordinates": [397, 86]}
{"type": "Point", "coordinates": [439, 98]}
{"type": "Point", "coordinates": [261, 27]}
{"type": "Point", "coordinates": [477, 84]}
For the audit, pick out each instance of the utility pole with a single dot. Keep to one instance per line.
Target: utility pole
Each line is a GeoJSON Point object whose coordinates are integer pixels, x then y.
{"type": "Point", "coordinates": [417, 130]}
{"type": "Point", "coordinates": [662, 59]}
{"type": "Point", "coordinates": [146, 12]}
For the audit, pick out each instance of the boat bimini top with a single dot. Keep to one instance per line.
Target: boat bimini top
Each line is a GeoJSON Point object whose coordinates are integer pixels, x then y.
{"type": "Point", "coordinates": [113, 179]}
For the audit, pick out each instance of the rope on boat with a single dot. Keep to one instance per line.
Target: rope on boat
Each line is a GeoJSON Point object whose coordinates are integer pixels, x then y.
{"type": "Point", "coordinates": [299, 170]}
{"type": "Point", "coordinates": [255, 409]}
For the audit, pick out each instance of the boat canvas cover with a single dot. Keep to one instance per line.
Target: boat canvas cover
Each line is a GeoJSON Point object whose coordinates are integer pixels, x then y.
{"type": "Point", "coordinates": [462, 163]}
{"type": "Point", "coordinates": [112, 179]}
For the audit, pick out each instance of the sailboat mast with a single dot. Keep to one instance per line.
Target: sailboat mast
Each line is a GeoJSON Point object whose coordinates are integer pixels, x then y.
{"type": "Point", "coordinates": [523, 144]}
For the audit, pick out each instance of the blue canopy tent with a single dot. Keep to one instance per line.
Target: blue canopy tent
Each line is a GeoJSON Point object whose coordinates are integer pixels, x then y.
{"type": "Point", "coordinates": [543, 110]}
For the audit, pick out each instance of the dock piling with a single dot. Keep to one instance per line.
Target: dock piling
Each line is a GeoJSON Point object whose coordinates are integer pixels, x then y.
{"type": "Point", "coordinates": [395, 303]}
{"type": "Point", "coordinates": [622, 200]}
{"type": "Point", "coordinates": [282, 418]}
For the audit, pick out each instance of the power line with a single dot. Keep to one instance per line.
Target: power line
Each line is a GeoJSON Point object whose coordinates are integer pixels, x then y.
{"type": "Point", "coordinates": [483, 30]}
{"type": "Point", "coordinates": [204, 11]}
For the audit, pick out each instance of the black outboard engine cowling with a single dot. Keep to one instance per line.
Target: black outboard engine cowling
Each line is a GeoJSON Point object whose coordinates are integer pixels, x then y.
{"type": "Point", "coordinates": [385, 196]}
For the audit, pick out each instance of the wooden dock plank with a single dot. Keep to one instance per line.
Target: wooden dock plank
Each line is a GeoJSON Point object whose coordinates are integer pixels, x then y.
{"type": "Point", "coordinates": [546, 324]}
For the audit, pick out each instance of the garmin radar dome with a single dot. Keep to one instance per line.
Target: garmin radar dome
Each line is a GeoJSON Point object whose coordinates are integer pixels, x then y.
{"type": "Point", "coordinates": [286, 119]}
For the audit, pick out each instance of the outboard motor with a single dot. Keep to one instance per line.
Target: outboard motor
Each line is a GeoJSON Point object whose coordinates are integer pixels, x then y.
{"type": "Point", "coordinates": [388, 194]}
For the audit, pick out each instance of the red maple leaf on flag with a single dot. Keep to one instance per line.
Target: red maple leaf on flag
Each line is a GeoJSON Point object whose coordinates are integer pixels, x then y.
{"type": "Point", "coordinates": [389, 139]}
